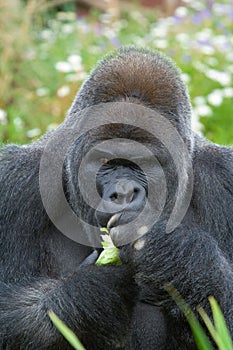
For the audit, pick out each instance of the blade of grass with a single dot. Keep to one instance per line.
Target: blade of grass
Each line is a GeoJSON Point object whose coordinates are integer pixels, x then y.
{"type": "Point", "coordinates": [65, 331]}
{"type": "Point", "coordinates": [199, 335]}
{"type": "Point", "coordinates": [220, 325]}
{"type": "Point", "coordinates": [211, 328]}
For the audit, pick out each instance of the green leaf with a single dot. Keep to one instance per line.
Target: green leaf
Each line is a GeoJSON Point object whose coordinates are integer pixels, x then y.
{"type": "Point", "coordinates": [104, 229]}
{"type": "Point", "coordinates": [105, 244]}
{"type": "Point", "coordinates": [109, 256]}
{"type": "Point", "coordinates": [65, 331]}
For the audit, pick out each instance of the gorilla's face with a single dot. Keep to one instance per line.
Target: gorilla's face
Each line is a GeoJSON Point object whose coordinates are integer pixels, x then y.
{"type": "Point", "coordinates": [123, 179]}
{"type": "Point", "coordinates": [126, 171]}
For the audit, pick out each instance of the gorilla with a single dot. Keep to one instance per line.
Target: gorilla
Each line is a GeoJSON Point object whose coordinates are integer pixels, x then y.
{"type": "Point", "coordinates": [125, 158]}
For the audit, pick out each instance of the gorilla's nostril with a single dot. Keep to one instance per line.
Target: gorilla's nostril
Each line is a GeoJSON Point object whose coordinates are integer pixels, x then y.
{"type": "Point", "coordinates": [114, 196]}
{"type": "Point", "coordinates": [117, 198]}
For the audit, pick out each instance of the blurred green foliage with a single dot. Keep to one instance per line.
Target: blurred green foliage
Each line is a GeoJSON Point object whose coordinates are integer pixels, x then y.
{"type": "Point", "coordinates": [45, 56]}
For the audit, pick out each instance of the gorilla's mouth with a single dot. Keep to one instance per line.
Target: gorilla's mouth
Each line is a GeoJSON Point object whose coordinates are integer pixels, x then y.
{"type": "Point", "coordinates": [121, 233]}
{"type": "Point", "coordinates": [113, 227]}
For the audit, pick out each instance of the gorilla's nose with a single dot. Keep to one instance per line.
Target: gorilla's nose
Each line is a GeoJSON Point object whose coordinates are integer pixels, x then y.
{"type": "Point", "coordinates": [125, 193]}
{"type": "Point", "coordinates": [123, 197]}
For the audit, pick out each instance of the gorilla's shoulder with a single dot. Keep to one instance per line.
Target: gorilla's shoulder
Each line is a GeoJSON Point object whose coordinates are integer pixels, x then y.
{"type": "Point", "coordinates": [213, 172]}
{"type": "Point", "coordinates": [18, 164]}
{"type": "Point", "coordinates": [216, 157]}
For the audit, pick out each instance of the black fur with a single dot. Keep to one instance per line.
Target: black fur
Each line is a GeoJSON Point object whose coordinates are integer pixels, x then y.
{"type": "Point", "coordinates": [115, 307]}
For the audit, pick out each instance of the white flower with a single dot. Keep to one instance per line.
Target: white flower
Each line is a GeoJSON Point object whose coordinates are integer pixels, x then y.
{"type": "Point", "coordinates": [218, 9]}
{"type": "Point", "coordinates": [161, 44]}
{"type": "Point", "coordinates": [33, 133]}
{"type": "Point", "coordinates": [109, 33]}
{"type": "Point", "coordinates": [169, 21]}
{"type": "Point", "coordinates": [197, 5]}
{"type": "Point", "coordinates": [204, 35]}
{"type": "Point", "coordinates": [138, 41]}
{"type": "Point", "coordinates": [228, 92]}
{"type": "Point", "coordinates": [77, 76]}
{"type": "Point", "coordinates": [105, 18]}
{"type": "Point", "coordinates": [67, 28]}
{"type": "Point", "coordinates": [222, 77]}
{"type": "Point", "coordinates": [30, 54]}
{"type": "Point", "coordinates": [46, 34]}
{"type": "Point", "coordinates": [181, 11]}
{"type": "Point", "coordinates": [76, 62]}
{"type": "Point", "coordinates": [43, 91]}
{"type": "Point", "coordinates": [63, 91]}
{"type": "Point", "coordinates": [215, 98]}
{"type": "Point", "coordinates": [221, 42]}
{"type": "Point", "coordinates": [159, 31]}
{"type": "Point", "coordinates": [95, 50]}
{"type": "Point", "coordinates": [121, 24]}
{"type": "Point", "coordinates": [203, 110]}
{"type": "Point", "coordinates": [136, 15]}
{"type": "Point", "coordinates": [52, 126]}
{"type": "Point", "coordinates": [196, 124]}
{"type": "Point", "coordinates": [183, 38]}
{"type": "Point", "coordinates": [82, 26]}
{"type": "Point", "coordinates": [64, 67]}
{"type": "Point", "coordinates": [199, 100]}
{"type": "Point", "coordinates": [18, 123]}
{"type": "Point", "coordinates": [230, 68]}
{"type": "Point", "coordinates": [229, 56]}
{"type": "Point", "coordinates": [3, 117]}
{"type": "Point", "coordinates": [185, 77]}
{"type": "Point", "coordinates": [206, 49]}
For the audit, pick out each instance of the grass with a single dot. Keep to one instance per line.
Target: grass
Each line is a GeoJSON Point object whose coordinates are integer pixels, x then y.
{"type": "Point", "coordinates": [65, 331]}
{"type": "Point", "coordinates": [39, 80]}
{"type": "Point", "coordinates": [217, 328]}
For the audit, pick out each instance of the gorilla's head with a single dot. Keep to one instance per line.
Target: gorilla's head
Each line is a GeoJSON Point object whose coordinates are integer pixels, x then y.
{"type": "Point", "coordinates": [127, 170]}
{"type": "Point", "coordinates": [128, 146]}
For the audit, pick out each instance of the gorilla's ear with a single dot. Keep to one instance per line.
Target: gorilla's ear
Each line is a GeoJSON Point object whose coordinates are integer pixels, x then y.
{"type": "Point", "coordinates": [142, 76]}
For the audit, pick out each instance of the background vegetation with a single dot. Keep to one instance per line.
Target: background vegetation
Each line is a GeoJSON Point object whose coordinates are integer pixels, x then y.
{"type": "Point", "coordinates": [45, 55]}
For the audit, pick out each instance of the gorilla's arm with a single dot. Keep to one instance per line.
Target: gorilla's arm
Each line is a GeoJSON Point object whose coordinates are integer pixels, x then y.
{"type": "Point", "coordinates": [196, 258]}
{"type": "Point", "coordinates": [92, 301]}
{"type": "Point", "coordinates": [192, 262]}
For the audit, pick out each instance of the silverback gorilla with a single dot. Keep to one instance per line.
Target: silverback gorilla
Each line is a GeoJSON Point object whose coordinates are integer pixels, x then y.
{"type": "Point", "coordinates": [117, 306]}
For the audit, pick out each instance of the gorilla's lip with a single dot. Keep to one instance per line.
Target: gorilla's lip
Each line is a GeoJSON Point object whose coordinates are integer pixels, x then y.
{"type": "Point", "coordinates": [123, 227]}
{"type": "Point", "coordinates": [121, 218]}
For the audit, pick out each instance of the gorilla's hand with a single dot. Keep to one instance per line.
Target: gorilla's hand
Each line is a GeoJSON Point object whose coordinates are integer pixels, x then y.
{"type": "Point", "coordinates": [188, 258]}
